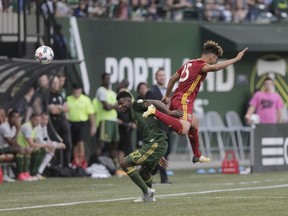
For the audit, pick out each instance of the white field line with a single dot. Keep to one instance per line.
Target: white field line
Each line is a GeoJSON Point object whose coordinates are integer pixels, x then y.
{"type": "Point", "coordinates": [131, 198]}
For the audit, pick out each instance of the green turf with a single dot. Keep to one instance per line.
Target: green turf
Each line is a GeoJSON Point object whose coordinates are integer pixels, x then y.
{"type": "Point", "coordinates": [201, 198]}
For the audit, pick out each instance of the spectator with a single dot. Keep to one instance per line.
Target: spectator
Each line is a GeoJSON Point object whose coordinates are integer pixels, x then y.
{"type": "Point", "coordinates": [266, 103]}
{"type": "Point", "coordinates": [280, 8]}
{"type": "Point", "coordinates": [211, 12]}
{"type": "Point", "coordinates": [27, 140]}
{"type": "Point", "coordinates": [124, 84]}
{"type": "Point", "coordinates": [61, 8]}
{"type": "Point", "coordinates": [80, 111]}
{"type": "Point", "coordinates": [176, 8]}
{"type": "Point", "coordinates": [39, 99]}
{"type": "Point", "coordinates": [44, 156]}
{"type": "Point", "coordinates": [122, 10]}
{"type": "Point", "coordinates": [62, 80]}
{"type": "Point", "coordinates": [240, 10]}
{"type": "Point", "coordinates": [157, 92]}
{"type": "Point", "coordinates": [58, 129]}
{"type": "Point", "coordinates": [24, 105]}
{"type": "Point", "coordinates": [142, 89]}
{"type": "Point", "coordinates": [82, 9]}
{"type": "Point", "coordinates": [8, 138]}
{"type": "Point", "coordinates": [59, 43]}
{"type": "Point", "coordinates": [108, 131]}
{"type": "Point", "coordinates": [226, 14]}
{"type": "Point", "coordinates": [100, 8]}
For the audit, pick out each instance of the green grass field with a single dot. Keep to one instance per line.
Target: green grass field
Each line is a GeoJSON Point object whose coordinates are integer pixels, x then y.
{"type": "Point", "coordinates": [190, 194]}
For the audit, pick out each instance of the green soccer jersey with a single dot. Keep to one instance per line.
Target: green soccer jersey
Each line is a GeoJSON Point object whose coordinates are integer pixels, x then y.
{"type": "Point", "coordinates": [149, 127]}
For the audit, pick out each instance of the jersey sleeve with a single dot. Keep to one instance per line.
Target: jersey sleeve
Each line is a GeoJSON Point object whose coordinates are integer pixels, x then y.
{"type": "Point", "coordinates": [279, 103]}
{"type": "Point", "coordinates": [201, 66]}
{"type": "Point", "coordinates": [180, 70]}
{"type": "Point", "coordinates": [254, 100]}
{"type": "Point", "coordinates": [6, 132]}
{"type": "Point", "coordinates": [89, 107]}
{"type": "Point", "coordinates": [101, 94]}
{"type": "Point", "coordinates": [39, 135]}
{"type": "Point", "coordinates": [27, 131]}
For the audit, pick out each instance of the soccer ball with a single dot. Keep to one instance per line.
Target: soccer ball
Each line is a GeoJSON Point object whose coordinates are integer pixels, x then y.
{"type": "Point", "coordinates": [44, 54]}
{"type": "Point", "coordinates": [255, 119]}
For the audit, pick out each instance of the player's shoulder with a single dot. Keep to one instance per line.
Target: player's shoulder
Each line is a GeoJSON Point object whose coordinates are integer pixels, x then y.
{"type": "Point", "coordinates": [199, 61]}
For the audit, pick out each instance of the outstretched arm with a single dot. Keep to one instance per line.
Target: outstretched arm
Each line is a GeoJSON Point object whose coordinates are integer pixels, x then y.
{"type": "Point", "coordinates": [224, 64]}
{"type": "Point", "coordinates": [163, 108]}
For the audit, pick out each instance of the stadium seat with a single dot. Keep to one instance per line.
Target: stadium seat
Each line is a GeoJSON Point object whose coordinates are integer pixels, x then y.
{"type": "Point", "coordinates": [204, 140]}
{"type": "Point", "coordinates": [223, 134]}
{"type": "Point", "coordinates": [242, 132]}
{"type": "Point", "coordinates": [181, 144]}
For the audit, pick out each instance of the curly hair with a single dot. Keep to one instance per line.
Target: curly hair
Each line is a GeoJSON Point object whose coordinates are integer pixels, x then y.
{"type": "Point", "coordinates": [212, 47]}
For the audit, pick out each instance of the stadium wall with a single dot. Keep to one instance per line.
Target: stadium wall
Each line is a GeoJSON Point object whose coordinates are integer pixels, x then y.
{"type": "Point", "coordinates": [135, 50]}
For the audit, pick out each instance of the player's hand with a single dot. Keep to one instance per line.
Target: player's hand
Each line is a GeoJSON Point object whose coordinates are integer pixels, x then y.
{"type": "Point", "coordinates": [240, 54]}
{"type": "Point", "coordinates": [163, 163]}
{"type": "Point", "coordinates": [176, 113]}
{"type": "Point", "coordinates": [165, 100]}
{"type": "Point", "coordinates": [49, 146]}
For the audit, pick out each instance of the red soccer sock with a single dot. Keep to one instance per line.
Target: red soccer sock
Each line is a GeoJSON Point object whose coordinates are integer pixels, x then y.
{"type": "Point", "coordinates": [194, 141]}
{"type": "Point", "coordinates": [170, 121]}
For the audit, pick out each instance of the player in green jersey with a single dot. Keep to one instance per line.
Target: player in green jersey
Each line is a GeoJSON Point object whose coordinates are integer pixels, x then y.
{"type": "Point", "coordinates": [154, 147]}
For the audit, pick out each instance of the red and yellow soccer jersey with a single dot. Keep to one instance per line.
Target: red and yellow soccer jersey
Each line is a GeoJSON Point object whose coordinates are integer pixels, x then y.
{"type": "Point", "coordinates": [191, 78]}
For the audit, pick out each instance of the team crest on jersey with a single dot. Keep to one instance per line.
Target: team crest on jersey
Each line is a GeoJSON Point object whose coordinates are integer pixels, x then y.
{"type": "Point", "coordinates": [272, 66]}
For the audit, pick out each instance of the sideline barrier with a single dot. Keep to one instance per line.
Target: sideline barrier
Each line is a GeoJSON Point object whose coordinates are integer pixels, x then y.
{"type": "Point", "coordinates": [269, 152]}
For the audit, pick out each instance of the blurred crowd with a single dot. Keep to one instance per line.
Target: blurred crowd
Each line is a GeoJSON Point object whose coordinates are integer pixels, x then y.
{"type": "Point", "coordinates": [207, 10]}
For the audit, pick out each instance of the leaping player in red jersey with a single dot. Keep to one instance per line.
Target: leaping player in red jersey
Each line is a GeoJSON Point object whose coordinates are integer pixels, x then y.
{"type": "Point", "coordinates": [190, 77]}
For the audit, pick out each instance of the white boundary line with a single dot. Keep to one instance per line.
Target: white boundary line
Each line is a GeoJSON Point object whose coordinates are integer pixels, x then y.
{"type": "Point", "coordinates": [131, 198]}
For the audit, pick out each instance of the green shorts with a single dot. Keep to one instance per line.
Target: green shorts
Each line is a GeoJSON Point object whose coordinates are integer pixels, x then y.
{"type": "Point", "coordinates": [149, 154]}
{"type": "Point", "coordinates": [108, 131]}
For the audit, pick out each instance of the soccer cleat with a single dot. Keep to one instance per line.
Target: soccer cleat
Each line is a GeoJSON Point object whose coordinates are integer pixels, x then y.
{"type": "Point", "coordinates": [29, 177]}
{"type": "Point", "coordinates": [7, 179]}
{"type": "Point", "coordinates": [22, 177]}
{"type": "Point", "coordinates": [150, 111]}
{"type": "Point", "coordinates": [200, 159]}
{"type": "Point", "coordinates": [40, 177]}
{"type": "Point", "coordinates": [149, 197]}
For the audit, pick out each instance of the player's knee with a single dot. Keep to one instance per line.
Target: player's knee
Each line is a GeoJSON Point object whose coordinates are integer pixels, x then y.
{"type": "Point", "coordinates": [144, 173]}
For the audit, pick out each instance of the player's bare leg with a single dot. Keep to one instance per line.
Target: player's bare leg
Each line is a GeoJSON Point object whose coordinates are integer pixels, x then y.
{"type": "Point", "coordinates": [194, 142]}
{"type": "Point", "coordinates": [180, 126]}
{"type": "Point", "coordinates": [148, 193]}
